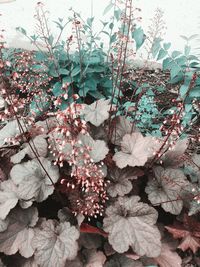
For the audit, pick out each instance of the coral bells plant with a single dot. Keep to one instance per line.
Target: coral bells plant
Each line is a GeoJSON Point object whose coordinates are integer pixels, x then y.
{"type": "Point", "coordinates": [100, 162]}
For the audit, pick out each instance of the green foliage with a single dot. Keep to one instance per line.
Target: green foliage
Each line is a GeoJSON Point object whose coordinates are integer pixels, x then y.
{"type": "Point", "coordinates": [91, 140]}
{"type": "Point", "coordinates": [139, 37]}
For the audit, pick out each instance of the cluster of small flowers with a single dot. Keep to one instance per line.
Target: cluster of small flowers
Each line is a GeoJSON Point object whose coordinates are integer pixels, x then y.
{"type": "Point", "coordinates": [26, 78]}
{"type": "Point", "coordinates": [172, 124]}
{"type": "Point", "coordinates": [87, 178]}
{"type": "Point", "coordinates": [12, 103]}
{"type": "Point", "coordinates": [22, 85]}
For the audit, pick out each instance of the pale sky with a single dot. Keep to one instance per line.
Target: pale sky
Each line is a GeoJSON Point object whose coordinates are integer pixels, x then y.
{"type": "Point", "coordinates": [181, 16]}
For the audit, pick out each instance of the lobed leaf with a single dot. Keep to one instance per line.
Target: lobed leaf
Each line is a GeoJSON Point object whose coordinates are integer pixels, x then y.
{"type": "Point", "coordinates": [135, 150]}
{"type": "Point", "coordinates": [32, 181]}
{"type": "Point", "coordinates": [55, 243]}
{"type": "Point", "coordinates": [19, 233]}
{"type": "Point", "coordinates": [166, 189]}
{"type": "Point", "coordinates": [120, 181]}
{"type": "Point", "coordinates": [132, 223]}
{"type": "Point", "coordinates": [97, 112]}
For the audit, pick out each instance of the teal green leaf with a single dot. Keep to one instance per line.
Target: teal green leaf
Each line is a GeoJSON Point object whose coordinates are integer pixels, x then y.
{"type": "Point", "coordinates": [162, 53]}
{"type": "Point", "coordinates": [117, 14]}
{"type": "Point", "coordinates": [113, 38]}
{"type": "Point", "coordinates": [167, 63]}
{"type": "Point", "coordinates": [50, 39]}
{"type": "Point", "coordinates": [90, 21]}
{"type": "Point", "coordinates": [166, 46]}
{"type": "Point", "coordinates": [75, 71]}
{"type": "Point", "coordinates": [40, 56]}
{"type": "Point", "coordinates": [195, 92]}
{"type": "Point", "coordinates": [182, 61]}
{"type": "Point", "coordinates": [57, 89]}
{"type": "Point", "coordinates": [187, 50]}
{"type": "Point", "coordinates": [63, 71]}
{"type": "Point", "coordinates": [184, 88]}
{"type": "Point", "coordinates": [53, 71]}
{"type": "Point", "coordinates": [139, 37]}
{"type": "Point", "coordinates": [111, 25]}
{"type": "Point", "coordinates": [176, 54]}
{"type": "Point", "coordinates": [66, 80]}
{"type": "Point", "coordinates": [175, 71]}
{"type": "Point", "coordinates": [96, 94]}
{"type": "Point", "coordinates": [108, 8]}
{"type": "Point", "coordinates": [39, 68]}
{"type": "Point", "coordinates": [156, 47]}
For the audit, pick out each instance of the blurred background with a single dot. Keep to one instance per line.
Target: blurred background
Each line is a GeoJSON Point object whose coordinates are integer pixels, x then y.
{"type": "Point", "coordinates": [181, 17]}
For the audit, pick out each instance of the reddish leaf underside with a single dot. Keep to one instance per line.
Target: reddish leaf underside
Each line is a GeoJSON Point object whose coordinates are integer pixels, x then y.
{"type": "Point", "coordinates": [188, 232]}
{"type": "Point", "coordinates": [86, 228]}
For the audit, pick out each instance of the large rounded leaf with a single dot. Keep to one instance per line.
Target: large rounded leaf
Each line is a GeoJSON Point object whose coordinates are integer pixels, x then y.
{"type": "Point", "coordinates": [19, 233]}
{"type": "Point", "coordinates": [39, 149]}
{"type": "Point", "coordinates": [120, 181]}
{"type": "Point", "coordinates": [166, 189]}
{"type": "Point", "coordinates": [8, 198]}
{"type": "Point", "coordinates": [135, 150]}
{"type": "Point", "coordinates": [32, 181]}
{"type": "Point", "coordinates": [132, 223]}
{"type": "Point", "coordinates": [98, 148]}
{"type": "Point", "coordinates": [55, 243]}
{"type": "Point", "coordinates": [97, 112]}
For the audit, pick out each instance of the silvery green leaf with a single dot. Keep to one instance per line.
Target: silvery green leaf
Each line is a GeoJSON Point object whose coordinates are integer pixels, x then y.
{"type": "Point", "coordinates": [10, 130]}
{"type": "Point", "coordinates": [174, 156]}
{"type": "Point", "coordinates": [122, 261]}
{"type": "Point", "coordinates": [39, 145]}
{"type": "Point", "coordinates": [139, 37]}
{"type": "Point", "coordinates": [55, 243]}
{"type": "Point", "coordinates": [120, 181]}
{"type": "Point", "coordinates": [108, 8]}
{"type": "Point", "coordinates": [18, 157]}
{"type": "Point", "coordinates": [19, 233]}
{"type": "Point", "coordinates": [8, 198]}
{"type": "Point", "coordinates": [97, 112]}
{"type": "Point", "coordinates": [121, 127]}
{"type": "Point", "coordinates": [135, 150]}
{"type": "Point", "coordinates": [98, 148]}
{"type": "Point", "coordinates": [166, 189]}
{"type": "Point", "coordinates": [131, 223]}
{"type": "Point", "coordinates": [32, 181]}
